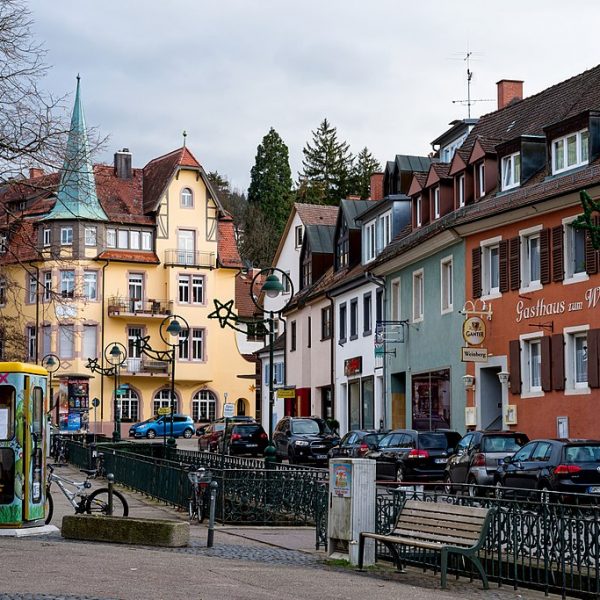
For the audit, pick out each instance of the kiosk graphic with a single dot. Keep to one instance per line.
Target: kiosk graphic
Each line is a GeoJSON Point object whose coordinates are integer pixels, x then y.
{"type": "Point", "coordinates": [342, 480]}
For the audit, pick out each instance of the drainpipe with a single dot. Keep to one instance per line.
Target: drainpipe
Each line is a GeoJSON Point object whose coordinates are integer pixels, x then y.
{"type": "Point", "coordinates": [106, 263]}
{"type": "Point", "coordinates": [380, 283]}
{"type": "Point", "coordinates": [37, 313]}
{"type": "Point", "coordinates": [332, 352]}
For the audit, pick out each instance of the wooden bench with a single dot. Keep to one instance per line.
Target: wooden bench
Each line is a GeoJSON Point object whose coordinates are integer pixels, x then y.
{"type": "Point", "coordinates": [449, 528]}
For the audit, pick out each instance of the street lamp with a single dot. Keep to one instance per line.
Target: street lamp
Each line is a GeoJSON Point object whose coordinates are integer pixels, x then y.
{"type": "Point", "coordinates": [51, 363]}
{"type": "Point", "coordinates": [272, 287]}
{"type": "Point", "coordinates": [115, 355]}
{"type": "Point", "coordinates": [172, 334]}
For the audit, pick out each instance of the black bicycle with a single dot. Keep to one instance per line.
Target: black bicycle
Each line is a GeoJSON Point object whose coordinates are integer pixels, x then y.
{"type": "Point", "coordinates": [199, 501]}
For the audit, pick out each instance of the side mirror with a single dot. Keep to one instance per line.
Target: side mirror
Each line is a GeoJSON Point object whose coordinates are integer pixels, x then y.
{"type": "Point", "coordinates": [507, 460]}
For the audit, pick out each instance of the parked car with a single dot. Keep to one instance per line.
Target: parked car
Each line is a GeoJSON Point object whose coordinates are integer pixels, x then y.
{"type": "Point", "coordinates": [202, 428]}
{"type": "Point", "coordinates": [410, 455]}
{"type": "Point", "coordinates": [303, 439]}
{"type": "Point", "coordinates": [566, 466]}
{"type": "Point", "coordinates": [244, 438]}
{"type": "Point", "coordinates": [355, 444]}
{"type": "Point", "coordinates": [476, 457]}
{"type": "Point", "coordinates": [208, 440]}
{"type": "Point", "coordinates": [158, 426]}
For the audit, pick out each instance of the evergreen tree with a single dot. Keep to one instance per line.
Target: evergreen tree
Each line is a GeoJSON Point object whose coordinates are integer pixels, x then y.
{"type": "Point", "coordinates": [271, 180]}
{"type": "Point", "coordinates": [327, 167]}
{"type": "Point", "coordinates": [364, 166]}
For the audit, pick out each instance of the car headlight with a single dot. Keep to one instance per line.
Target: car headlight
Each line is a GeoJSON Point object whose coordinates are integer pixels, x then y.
{"type": "Point", "coordinates": [301, 443]}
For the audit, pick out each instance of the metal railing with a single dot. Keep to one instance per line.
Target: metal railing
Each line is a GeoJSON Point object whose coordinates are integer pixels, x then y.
{"type": "Point", "coordinates": [123, 306]}
{"type": "Point", "coordinates": [146, 365]}
{"type": "Point", "coordinates": [190, 258]}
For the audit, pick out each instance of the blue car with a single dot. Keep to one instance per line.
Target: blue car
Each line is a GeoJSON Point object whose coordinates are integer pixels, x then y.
{"type": "Point", "coordinates": [159, 426]}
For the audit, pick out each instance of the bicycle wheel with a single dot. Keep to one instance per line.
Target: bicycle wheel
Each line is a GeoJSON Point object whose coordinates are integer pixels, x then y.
{"type": "Point", "coordinates": [200, 508]}
{"type": "Point", "coordinates": [192, 507]}
{"type": "Point", "coordinates": [49, 507]}
{"type": "Point", "coordinates": [97, 502]}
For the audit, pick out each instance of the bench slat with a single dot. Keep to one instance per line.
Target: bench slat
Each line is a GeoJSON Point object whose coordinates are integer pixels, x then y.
{"type": "Point", "coordinates": [426, 529]}
{"type": "Point", "coordinates": [450, 508]}
{"type": "Point", "coordinates": [438, 537]}
{"type": "Point", "coordinates": [419, 520]}
{"type": "Point", "coordinates": [478, 521]}
{"type": "Point", "coordinates": [406, 541]}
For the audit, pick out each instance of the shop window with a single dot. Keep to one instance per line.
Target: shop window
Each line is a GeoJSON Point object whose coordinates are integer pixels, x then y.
{"type": "Point", "coordinates": [431, 400]}
{"type": "Point", "coordinates": [204, 406]}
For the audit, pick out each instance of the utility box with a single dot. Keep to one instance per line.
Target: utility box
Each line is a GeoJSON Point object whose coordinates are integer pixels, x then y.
{"type": "Point", "coordinates": [351, 508]}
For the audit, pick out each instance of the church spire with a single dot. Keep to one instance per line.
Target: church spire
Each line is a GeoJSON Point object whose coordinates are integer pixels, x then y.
{"type": "Point", "coordinates": [76, 197]}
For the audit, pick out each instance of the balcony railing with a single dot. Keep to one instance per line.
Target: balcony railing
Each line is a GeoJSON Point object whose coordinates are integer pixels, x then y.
{"type": "Point", "coordinates": [146, 365]}
{"type": "Point", "coordinates": [190, 258]}
{"type": "Point", "coordinates": [121, 306]}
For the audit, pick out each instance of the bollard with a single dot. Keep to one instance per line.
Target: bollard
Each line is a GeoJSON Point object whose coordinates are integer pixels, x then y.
{"type": "Point", "coordinates": [111, 481]}
{"type": "Point", "coordinates": [211, 514]}
{"type": "Point", "coordinates": [93, 455]}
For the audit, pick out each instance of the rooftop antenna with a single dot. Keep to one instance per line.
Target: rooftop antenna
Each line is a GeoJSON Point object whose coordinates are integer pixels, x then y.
{"type": "Point", "coordinates": [184, 137]}
{"type": "Point", "coordinates": [467, 58]}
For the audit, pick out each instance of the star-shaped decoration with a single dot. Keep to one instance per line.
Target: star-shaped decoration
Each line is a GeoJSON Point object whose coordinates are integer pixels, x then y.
{"type": "Point", "coordinates": [587, 221]}
{"type": "Point", "coordinates": [224, 313]}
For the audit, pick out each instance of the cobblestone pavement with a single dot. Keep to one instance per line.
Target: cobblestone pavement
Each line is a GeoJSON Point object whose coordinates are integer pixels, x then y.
{"type": "Point", "coordinates": [48, 597]}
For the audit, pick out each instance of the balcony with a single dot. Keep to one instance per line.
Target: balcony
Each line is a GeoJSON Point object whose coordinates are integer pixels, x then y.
{"type": "Point", "coordinates": [146, 366]}
{"type": "Point", "coordinates": [131, 307]}
{"type": "Point", "coordinates": [190, 258]}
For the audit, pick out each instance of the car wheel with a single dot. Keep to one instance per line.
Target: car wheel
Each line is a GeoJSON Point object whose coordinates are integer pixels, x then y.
{"type": "Point", "coordinates": [473, 488]}
{"type": "Point", "coordinates": [448, 487]}
{"type": "Point", "coordinates": [545, 493]}
{"type": "Point", "coordinates": [188, 433]}
{"type": "Point", "coordinates": [499, 490]}
{"type": "Point", "coordinates": [291, 458]}
{"type": "Point", "coordinates": [151, 434]}
{"type": "Point", "coordinates": [400, 473]}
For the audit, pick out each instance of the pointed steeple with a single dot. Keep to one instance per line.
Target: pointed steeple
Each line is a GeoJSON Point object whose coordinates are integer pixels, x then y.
{"type": "Point", "coordinates": [76, 197]}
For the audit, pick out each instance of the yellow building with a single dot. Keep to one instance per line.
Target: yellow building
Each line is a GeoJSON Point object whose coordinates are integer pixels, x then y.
{"type": "Point", "coordinates": [94, 255]}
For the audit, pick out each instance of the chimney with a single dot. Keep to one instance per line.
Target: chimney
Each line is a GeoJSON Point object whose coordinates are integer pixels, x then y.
{"type": "Point", "coordinates": [509, 91]}
{"type": "Point", "coordinates": [123, 164]}
{"type": "Point", "coordinates": [377, 186]}
{"type": "Point", "coordinates": [35, 172]}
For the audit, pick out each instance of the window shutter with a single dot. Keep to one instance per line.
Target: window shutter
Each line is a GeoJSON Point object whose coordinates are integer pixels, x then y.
{"type": "Point", "coordinates": [546, 364]}
{"type": "Point", "coordinates": [514, 352]}
{"type": "Point", "coordinates": [558, 258]}
{"type": "Point", "coordinates": [591, 255]}
{"type": "Point", "coordinates": [515, 263]}
{"type": "Point", "coordinates": [545, 276]}
{"type": "Point", "coordinates": [476, 272]}
{"type": "Point", "coordinates": [558, 361]}
{"type": "Point", "coordinates": [593, 355]}
{"type": "Point", "coordinates": [503, 265]}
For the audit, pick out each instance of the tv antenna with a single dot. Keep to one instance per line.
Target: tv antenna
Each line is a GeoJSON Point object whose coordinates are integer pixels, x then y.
{"type": "Point", "coordinates": [467, 58]}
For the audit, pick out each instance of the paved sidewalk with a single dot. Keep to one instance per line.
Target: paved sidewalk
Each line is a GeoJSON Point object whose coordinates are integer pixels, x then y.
{"type": "Point", "coordinates": [249, 563]}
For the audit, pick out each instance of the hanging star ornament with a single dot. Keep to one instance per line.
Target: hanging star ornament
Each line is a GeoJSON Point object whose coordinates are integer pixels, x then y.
{"type": "Point", "coordinates": [224, 313]}
{"type": "Point", "coordinates": [587, 221]}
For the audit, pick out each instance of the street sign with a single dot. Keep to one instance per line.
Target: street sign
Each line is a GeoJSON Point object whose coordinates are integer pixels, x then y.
{"type": "Point", "coordinates": [165, 410]}
{"type": "Point", "coordinates": [124, 386]}
{"type": "Point", "coordinates": [228, 410]}
{"type": "Point", "coordinates": [286, 393]}
{"type": "Point", "coordinates": [474, 354]}
{"type": "Point", "coordinates": [95, 402]}
{"type": "Point", "coordinates": [120, 392]}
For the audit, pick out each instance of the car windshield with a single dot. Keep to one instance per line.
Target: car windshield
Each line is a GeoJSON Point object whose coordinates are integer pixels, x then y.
{"type": "Point", "coordinates": [309, 426]}
{"type": "Point", "coordinates": [583, 453]}
{"type": "Point", "coordinates": [435, 441]}
{"type": "Point", "coordinates": [502, 443]}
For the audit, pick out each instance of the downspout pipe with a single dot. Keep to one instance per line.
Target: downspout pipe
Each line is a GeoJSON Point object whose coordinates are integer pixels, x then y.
{"type": "Point", "coordinates": [332, 353]}
{"type": "Point", "coordinates": [106, 263]}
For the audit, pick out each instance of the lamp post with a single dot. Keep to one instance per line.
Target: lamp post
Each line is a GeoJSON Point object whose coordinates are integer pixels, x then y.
{"type": "Point", "coordinates": [51, 363]}
{"type": "Point", "coordinates": [115, 355]}
{"type": "Point", "coordinates": [172, 334]}
{"type": "Point", "coordinates": [272, 287]}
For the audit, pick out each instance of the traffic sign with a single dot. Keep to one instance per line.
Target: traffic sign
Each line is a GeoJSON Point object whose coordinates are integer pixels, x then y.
{"type": "Point", "coordinates": [165, 410]}
{"type": "Point", "coordinates": [95, 402]}
{"type": "Point", "coordinates": [228, 410]}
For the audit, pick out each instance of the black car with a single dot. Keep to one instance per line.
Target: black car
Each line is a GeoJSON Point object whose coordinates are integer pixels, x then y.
{"type": "Point", "coordinates": [410, 455]}
{"type": "Point", "coordinates": [476, 456]}
{"type": "Point", "coordinates": [303, 439]}
{"type": "Point", "coordinates": [566, 466]}
{"type": "Point", "coordinates": [355, 444]}
{"type": "Point", "coordinates": [244, 438]}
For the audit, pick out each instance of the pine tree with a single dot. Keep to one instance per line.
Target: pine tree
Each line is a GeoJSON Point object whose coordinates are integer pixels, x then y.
{"type": "Point", "coordinates": [271, 180]}
{"type": "Point", "coordinates": [364, 166]}
{"type": "Point", "coordinates": [327, 167]}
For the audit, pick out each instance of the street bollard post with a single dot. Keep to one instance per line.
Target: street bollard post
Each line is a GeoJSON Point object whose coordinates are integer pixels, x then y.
{"type": "Point", "coordinates": [111, 481]}
{"type": "Point", "coordinates": [211, 514]}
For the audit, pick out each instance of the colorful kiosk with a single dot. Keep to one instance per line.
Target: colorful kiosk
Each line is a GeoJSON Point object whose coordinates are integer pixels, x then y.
{"type": "Point", "coordinates": [22, 444]}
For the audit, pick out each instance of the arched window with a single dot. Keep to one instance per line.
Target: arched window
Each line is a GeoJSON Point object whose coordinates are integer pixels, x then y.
{"type": "Point", "coordinates": [187, 198]}
{"type": "Point", "coordinates": [204, 406]}
{"type": "Point", "coordinates": [128, 405]}
{"type": "Point", "coordinates": [162, 399]}
{"type": "Point", "coordinates": [241, 407]}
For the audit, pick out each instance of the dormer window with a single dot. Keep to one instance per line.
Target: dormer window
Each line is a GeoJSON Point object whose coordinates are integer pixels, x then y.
{"type": "Point", "coordinates": [343, 247]}
{"type": "Point", "coordinates": [307, 270]}
{"type": "Point", "coordinates": [369, 241]}
{"type": "Point", "coordinates": [187, 198]}
{"type": "Point", "coordinates": [299, 232]}
{"type": "Point", "coordinates": [436, 202]}
{"type": "Point", "coordinates": [481, 179]}
{"type": "Point", "coordinates": [461, 191]}
{"type": "Point", "coordinates": [418, 211]}
{"type": "Point", "coordinates": [570, 151]}
{"type": "Point", "coordinates": [511, 171]}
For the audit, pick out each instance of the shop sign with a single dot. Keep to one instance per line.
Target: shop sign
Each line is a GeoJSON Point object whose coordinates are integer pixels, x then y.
{"type": "Point", "coordinates": [474, 354]}
{"type": "Point", "coordinates": [286, 393]}
{"type": "Point", "coordinates": [541, 308]}
{"type": "Point", "coordinates": [474, 331]}
{"type": "Point", "coordinates": [164, 410]}
{"type": "Point", "coordinates": [353, 366]}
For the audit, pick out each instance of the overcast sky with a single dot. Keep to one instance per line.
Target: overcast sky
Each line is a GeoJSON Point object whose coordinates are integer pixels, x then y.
{"type": "Point", "coordinates": [384, 72]}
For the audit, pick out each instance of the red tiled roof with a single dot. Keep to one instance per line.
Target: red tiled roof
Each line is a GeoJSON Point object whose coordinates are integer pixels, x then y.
{"type": "Point", "coordinates": [23, 244]}
{"type": "Point", "coordinates": [243, 301]}
{"type": "Point", "coordinates": [316, 214]}
{"type": "Point", "coordinates": [129, 256]}
{"type": "Point", "coordinates": [227, 250]}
